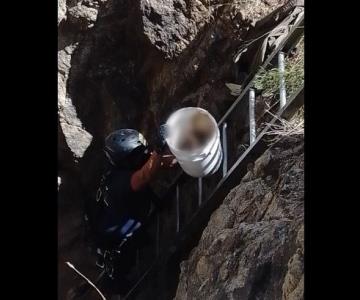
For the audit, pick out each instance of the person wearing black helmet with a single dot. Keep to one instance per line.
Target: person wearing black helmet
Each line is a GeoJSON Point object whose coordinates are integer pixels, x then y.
{"type": "Point", "coordinates": [124, 200]}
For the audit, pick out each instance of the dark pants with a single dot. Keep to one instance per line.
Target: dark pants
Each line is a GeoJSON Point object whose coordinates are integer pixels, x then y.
{"type": "Point", "coordinates": [124, 263]}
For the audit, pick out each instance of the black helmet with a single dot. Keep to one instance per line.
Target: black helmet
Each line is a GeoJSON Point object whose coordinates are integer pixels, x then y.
{"type": "Point", "coordinates": [126, 148]}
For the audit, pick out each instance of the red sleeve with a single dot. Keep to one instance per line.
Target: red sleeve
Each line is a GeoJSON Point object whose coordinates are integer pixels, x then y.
{"type": "Point", "coordinates": [143, 176]}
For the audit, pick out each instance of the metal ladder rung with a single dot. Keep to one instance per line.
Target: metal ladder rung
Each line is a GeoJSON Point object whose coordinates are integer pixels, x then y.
{"type": "Point", "coordinates": [252, 123]}
{"type": "Point", "coordinates": [225, 151]}
{"type": "Point", "coordinates": [282, 86]}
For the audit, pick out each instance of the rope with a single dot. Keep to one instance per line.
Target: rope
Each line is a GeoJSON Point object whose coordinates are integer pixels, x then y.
{"type": "Point", "coordinates": [88, 280]}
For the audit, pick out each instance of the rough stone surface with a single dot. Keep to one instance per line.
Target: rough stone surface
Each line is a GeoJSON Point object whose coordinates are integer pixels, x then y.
{"type": "Point", "coordinates": [73, 141]}
{"type": "Point", "coordinates": [253, 245]}
{"type": "Point", "coordinates": [171, 25]}
{"type": "Point", "coordinates": [77, 138]}
{"type": "Point", "coordinates": [61, 10]}
{"type": "Point", "coordinates": [82, 15]}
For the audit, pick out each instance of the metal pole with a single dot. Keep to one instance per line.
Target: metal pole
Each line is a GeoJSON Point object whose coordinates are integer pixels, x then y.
{"type": "Point", "coordinates": [199, 191]}
{"type": "Point", "coordinates": [281, 63]}
{"type": "Point", "coordinates": [224, 145]}
{"type": "Point", "coordinates": [177, 209]}
{"type": "Point", "coordinates": [252, 123]}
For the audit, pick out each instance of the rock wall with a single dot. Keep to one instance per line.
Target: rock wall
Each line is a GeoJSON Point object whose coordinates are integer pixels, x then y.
{"type": "Point", "coordinates": [253, 245]}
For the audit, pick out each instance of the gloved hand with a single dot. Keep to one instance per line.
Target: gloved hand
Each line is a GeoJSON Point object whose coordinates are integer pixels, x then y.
{"type": "Point", "coordinates": [167, 160]}
{"type": "Point", "coordinates": [143, 176]}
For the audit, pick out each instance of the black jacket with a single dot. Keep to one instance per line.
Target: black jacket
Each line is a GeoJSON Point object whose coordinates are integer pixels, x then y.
{"type": "Point", "coordinates": [117, 208]}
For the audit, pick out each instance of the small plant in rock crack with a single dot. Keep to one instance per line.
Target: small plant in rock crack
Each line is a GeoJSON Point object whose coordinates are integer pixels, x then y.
{"type": "Point", "coordinates": [267, 81]}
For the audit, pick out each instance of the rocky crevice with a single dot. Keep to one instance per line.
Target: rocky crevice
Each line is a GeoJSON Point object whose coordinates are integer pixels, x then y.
{"type": "Point", "coordinates": [130, 64]}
